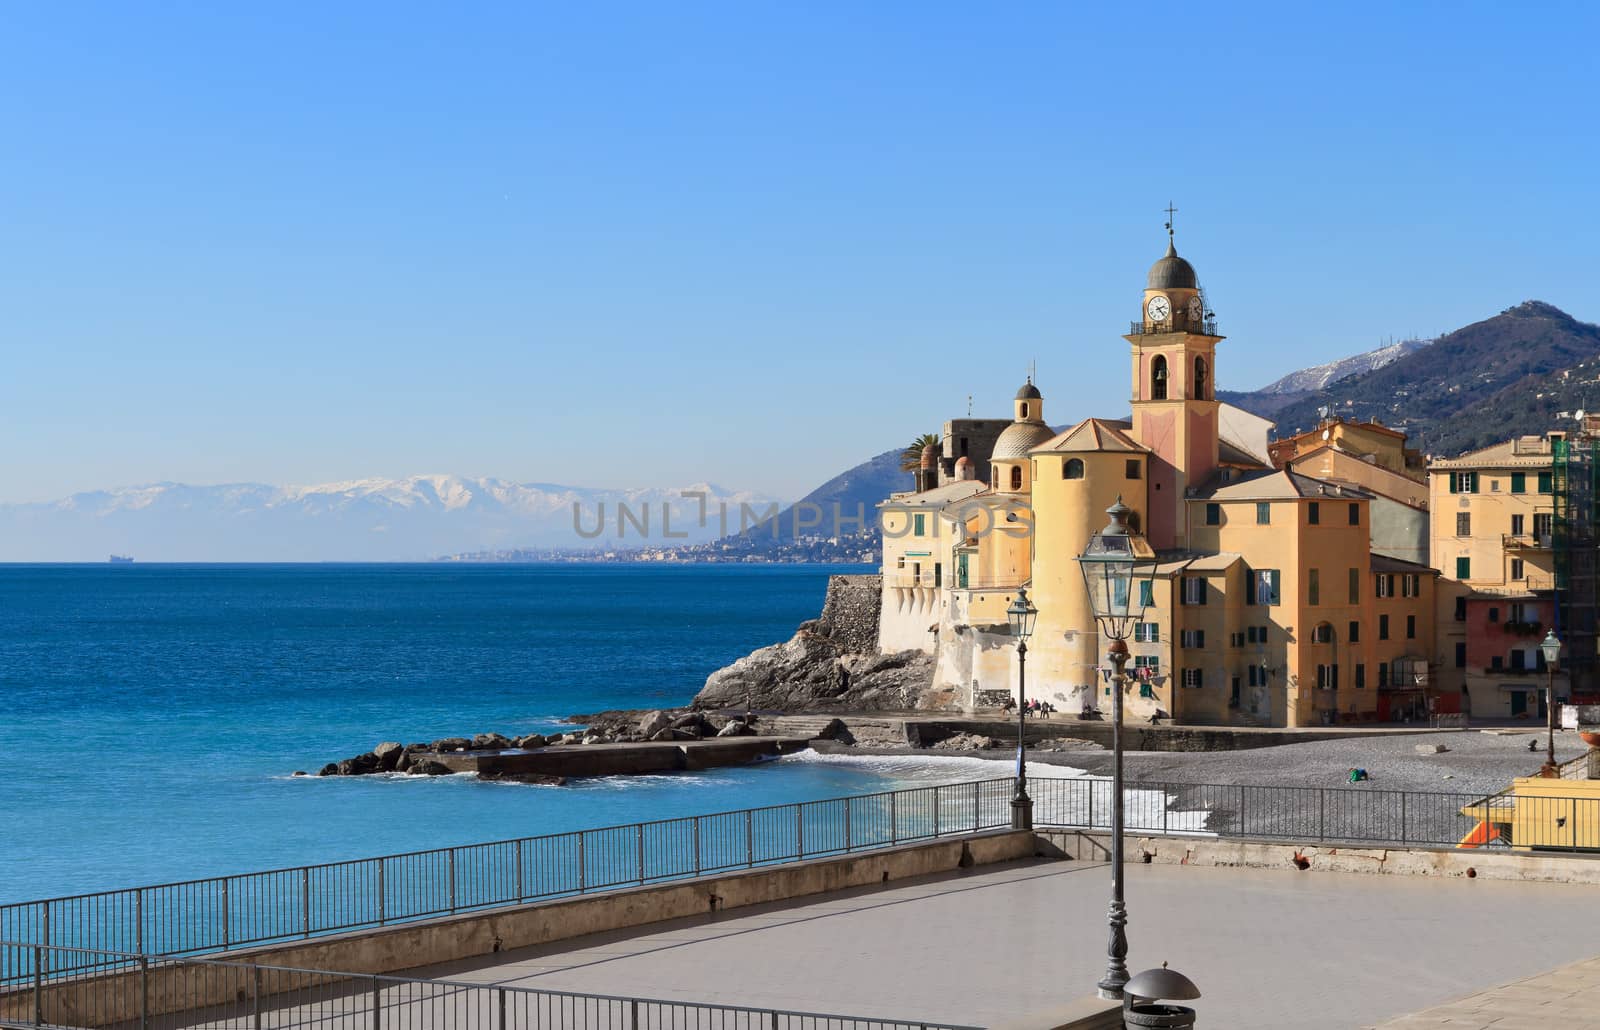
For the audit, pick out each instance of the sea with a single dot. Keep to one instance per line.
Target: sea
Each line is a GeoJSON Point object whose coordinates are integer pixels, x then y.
{"type": "Point", "coordinates": [152, 717]}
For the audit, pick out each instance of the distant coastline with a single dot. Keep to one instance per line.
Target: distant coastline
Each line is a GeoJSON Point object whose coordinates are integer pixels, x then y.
{"type": "Point", "coordinates": [858, 550]}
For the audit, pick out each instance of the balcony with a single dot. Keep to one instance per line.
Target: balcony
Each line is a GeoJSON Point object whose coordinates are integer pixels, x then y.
{"type": "Point", "coordinates": [1181, 324]}
{"type": "Point", "coordinates": [910, 581]}
{"type": "Point", "coordinates": [1516, 588]}
{"type": "Point", "coordinates": [1525, 541]}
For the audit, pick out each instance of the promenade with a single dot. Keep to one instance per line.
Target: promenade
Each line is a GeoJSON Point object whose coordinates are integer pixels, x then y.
{"type": "Point", "coordinates": [1269, 949]}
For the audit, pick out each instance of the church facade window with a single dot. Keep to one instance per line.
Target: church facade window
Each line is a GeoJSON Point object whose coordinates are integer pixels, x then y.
{"type": "Point", "coordinates": [1016, 477]}
{"type": "Point", "coordinates": [1073, 469]}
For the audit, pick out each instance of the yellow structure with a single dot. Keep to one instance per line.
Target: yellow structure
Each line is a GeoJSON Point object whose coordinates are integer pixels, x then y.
{"type": "Point", "coordinates": [1275, 602]}
{"type": "Point", "coordinates": [1539, 812]}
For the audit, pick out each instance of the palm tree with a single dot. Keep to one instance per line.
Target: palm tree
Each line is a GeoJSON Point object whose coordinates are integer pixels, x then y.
{"type": "Point", "coordinates": [911, 457]}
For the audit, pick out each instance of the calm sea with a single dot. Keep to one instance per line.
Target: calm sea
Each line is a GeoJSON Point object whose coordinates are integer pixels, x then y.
{"type": "Point", "coordinates": [152, 715]}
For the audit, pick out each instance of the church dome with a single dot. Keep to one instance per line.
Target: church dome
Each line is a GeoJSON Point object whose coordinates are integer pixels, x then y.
{"type": "Point", "coordinates": [1018, 439]}
{"type": "Point", "coordinates": [1172, 272]}
{"type": "Point", "coordinates": [1029, 392]}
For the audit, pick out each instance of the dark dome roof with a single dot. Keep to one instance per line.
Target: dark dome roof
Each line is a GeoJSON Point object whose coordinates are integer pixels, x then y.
{"type": "Point", "coordinates": [1172, 272]}
{"type": "Point", "coordinates": [1029, 392]}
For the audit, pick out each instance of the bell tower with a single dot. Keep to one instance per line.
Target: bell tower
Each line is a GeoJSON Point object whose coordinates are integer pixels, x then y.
{"type": "Point", "coordinates": [1175, 412]}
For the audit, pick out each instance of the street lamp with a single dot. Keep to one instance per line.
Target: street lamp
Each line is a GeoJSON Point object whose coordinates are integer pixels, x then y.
{"type": "Point", "coordinates": [1118, 582]}
{"type": "Point", "coordinates": [1022, 613]}
{"type": "Point", "coordinates": [1551, 646]}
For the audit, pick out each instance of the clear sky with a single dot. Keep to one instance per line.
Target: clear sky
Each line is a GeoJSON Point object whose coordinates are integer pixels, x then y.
{"type": "Point", "coordinates": [755, 243]}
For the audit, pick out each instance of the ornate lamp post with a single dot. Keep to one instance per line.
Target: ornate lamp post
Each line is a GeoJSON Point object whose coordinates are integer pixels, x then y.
{"type": "Point", "coordinates": [1118, 582]}
{"type": "Point", "coordinates": [1022, 613]}
{"type": "Point", "coordinates": [1551, 647]}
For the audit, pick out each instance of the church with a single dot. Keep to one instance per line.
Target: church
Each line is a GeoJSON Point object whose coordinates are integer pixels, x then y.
{"type": "Point", "coordinates": [1276, 600]}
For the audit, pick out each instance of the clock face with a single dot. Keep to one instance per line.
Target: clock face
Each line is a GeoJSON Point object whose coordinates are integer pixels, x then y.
{"type": "Point", "coordinates": [1195, 308]}
{"type": "Point", "coordinates": [1158, 309]}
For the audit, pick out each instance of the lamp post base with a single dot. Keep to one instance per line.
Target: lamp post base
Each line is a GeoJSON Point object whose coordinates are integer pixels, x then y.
{"type": "Point", "coordinates": [1022, 813]}
{"type": "Point", "coordinates": [1110, 985]}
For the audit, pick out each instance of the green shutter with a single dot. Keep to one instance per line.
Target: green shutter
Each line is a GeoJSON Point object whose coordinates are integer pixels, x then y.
{"type": "Point", "coordinates": [1274, 587]}
{"type": "Point", "coordinates": [1146, 590]}
{"type": "Point", "coordinates": [1519, 482]}
{"type": "Point", "coordinates": [1474, 482]}
{"type": "Point", "coordinates": [1544, 482]}
{"type": "Point", "coordinates": [1451, 476]}
{"type": "Point", "coordinates": [1463, 568]}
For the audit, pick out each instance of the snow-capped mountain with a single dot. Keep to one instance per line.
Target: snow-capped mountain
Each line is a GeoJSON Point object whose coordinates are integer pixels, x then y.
{"type": "Point", "coordinates": [1318, 376]}
{"type": "Point", "coordinates": [417, 517]}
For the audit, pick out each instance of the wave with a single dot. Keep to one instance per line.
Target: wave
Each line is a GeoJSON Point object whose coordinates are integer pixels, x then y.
{"type": "Point", "coordinates": [947, 768]}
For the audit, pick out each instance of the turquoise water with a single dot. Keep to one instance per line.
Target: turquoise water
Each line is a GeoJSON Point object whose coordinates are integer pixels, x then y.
{"type": "Point", "coordinates": [152, 715]}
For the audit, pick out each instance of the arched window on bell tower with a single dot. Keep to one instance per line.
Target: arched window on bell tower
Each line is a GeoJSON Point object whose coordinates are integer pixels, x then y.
{"type": "Point", "coordinates": [1158, 378]}
{"type": "Point", "coordinates": [1016, 477]}
{"type": "Point", "coordinates": [1200, 385]}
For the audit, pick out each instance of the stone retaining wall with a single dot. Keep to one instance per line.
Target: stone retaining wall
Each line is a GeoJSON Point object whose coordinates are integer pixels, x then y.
{"type": "Point", "coordinates": [118, 997]}
{"type": "Point", "coordinates": [850, 612]}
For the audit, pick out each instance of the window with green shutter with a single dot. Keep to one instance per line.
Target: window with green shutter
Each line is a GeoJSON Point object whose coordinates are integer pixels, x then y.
{"type": "Point", "coordinates": [1146, 594]}
{"type": "Point", "coordinates": [1213, 514]}
{"type": "Point", "coordinates": [1463, 568]}
{"type": "Point", "coordinates": [1519, 482]}
{"type": "Point", "coordinates": [1544, 482]}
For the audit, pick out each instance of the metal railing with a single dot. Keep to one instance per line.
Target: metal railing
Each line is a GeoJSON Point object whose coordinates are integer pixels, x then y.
{"type": "Point", "coordinates": [1184, 324]}
{"type": "Point", "coordinates": [220, 913]}
{"type": "Point", "coordinates": [213, 915]}
{"type": "Point", "coordinates": [113, 989]}
{"type": "Point", "coordinates": [1340, 815]}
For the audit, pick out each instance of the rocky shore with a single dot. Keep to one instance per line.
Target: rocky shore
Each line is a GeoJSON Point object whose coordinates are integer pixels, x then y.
{"type": "Point", "coordinates": [420, 759]}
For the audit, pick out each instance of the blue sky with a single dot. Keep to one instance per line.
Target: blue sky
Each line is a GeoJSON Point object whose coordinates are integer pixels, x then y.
{"type": "Point", "coordinates": [754, 243]}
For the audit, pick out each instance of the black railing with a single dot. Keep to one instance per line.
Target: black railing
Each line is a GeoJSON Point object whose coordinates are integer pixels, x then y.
{"type": "Point", "coordinates": [112, 989]}
{"type": "Point", "coordinates": [1198, 326]}
{"type": "Point", "coordinates": [220, 913]}
{"type": "Point", "coordinates": [216, 914]}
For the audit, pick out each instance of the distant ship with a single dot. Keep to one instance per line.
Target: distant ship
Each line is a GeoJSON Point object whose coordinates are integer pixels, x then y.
{"type": "Point", "coordinates": [121, 559]}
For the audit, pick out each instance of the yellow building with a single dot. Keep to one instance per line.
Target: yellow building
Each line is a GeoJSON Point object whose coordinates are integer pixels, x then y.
{"type": "Point", "coordinates": [1494, 548]}
{"type": "Point", "coordinates": [1270, 605]}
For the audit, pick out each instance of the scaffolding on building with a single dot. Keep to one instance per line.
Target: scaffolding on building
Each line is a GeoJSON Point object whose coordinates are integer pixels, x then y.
{"type": "Point", "coordinates": [1575, 534]}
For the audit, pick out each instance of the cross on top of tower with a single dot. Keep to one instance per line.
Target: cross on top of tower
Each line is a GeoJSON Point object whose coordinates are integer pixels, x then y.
{"type": "Point", "coordinates": [1170, 212]}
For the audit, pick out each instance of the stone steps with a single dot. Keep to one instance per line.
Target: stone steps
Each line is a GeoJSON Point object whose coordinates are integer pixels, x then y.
{"type": "Point", "coordinates": [812, 726]}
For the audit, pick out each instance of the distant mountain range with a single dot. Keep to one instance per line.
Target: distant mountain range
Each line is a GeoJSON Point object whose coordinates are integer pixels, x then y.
{"type": "Point", "coordinates": [415, 518]}
{"type": "Point", "coordinates": [1505, 376]}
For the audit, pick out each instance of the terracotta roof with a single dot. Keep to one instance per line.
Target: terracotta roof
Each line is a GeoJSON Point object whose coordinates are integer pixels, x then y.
{"type": "Point", "coordinates": [1497, 456]}
{"type": "Point", "coordinates": [936, 497]}
{"type": "Point", "coordinates": [1277, 485]}
{"type": "Point", "coordinates": [1092, 434]}
{"type": "Point", "coordinates": [1384, 563]}
{"type": "Point", "coordinates": [1172, 564]}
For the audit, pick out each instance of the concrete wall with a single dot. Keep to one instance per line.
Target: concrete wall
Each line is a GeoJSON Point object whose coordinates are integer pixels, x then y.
{"type": "Point", "coordinates": [1206, 851]}
{"type": "Point", "coordinates": [98, 1001]}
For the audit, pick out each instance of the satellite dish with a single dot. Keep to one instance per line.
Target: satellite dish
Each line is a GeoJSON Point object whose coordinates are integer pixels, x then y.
{"type": "Point", "coordinates": [1580, 415]}
{"type": "Point", "coordinates": [1326, 433]}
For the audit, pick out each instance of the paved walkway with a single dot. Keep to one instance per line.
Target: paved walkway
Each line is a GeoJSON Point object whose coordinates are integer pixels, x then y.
{"type": "Point", "coordinates": [1269, 949]}
{"type": "Point", "coordinates": [1562, 999]}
